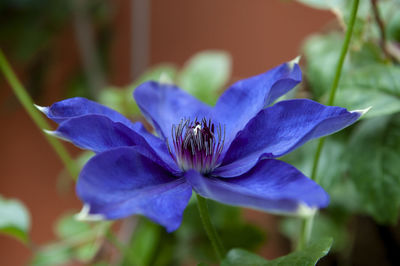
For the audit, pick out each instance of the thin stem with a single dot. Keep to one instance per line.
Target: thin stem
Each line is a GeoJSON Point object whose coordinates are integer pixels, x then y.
{"type": "Point", "coordinates": [210, 230]}
{"type": "Point", "coordinates": [381, 27]}
{"type": "Point", "coordinates": [27, 103]}
{"type": "Point", "coordinates": [307, 223]}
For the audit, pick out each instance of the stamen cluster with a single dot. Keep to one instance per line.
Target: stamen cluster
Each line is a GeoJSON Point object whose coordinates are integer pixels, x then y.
{"type": "Point", "coordinates": [198, 144]}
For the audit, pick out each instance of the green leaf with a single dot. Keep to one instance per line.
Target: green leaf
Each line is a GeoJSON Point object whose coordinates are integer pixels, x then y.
{"type": "Point", "coordinates": [324, 226]}
{"type": "Point", "coordinates": [306, 257]}
{"type": "Point", "coordinates": [376, 85]}
{"type": "Point", "coordinates": [228, 221]}
{"type": "Point", "coordinates": [77, 241]}
{"type": "Point", "coordinates": [14, 219]}
{"type": "Point", "coordinates": [205, 73]}
{"type": "Point", "coordinates": [374, 167]}
{"type": "Point", "coordinates": [156, 73]}
{"type": "Point", "coordinates": [52, 255]}
{"type": "Point", "coordinates": [68, 226]}
{"type": "Point", "coordinates": [321, 53]}
{"type": "Point", "coordinates": [143, 245]}
{"type": "Point", "coordinates": [121, 99]}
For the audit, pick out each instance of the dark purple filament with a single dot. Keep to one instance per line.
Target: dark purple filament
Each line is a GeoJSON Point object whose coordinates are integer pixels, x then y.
{"type": "Point", "coordinates": [198, 144]}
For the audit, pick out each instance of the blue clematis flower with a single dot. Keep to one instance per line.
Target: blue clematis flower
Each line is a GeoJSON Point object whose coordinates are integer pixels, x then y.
{"type": "Point", "coordinates": [226, 153]}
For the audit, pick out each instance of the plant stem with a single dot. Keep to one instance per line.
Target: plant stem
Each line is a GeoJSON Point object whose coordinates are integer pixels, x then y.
{"type": "Point", "coordinates": [35, 115]}
{"type": "Point", "coordinates": [306, 228]}
{"type": "Point", "coordinates": [210, 230]}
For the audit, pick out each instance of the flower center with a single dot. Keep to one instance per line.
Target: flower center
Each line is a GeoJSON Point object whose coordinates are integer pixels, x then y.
{"type": "Point", "coordinates": [198, 144]}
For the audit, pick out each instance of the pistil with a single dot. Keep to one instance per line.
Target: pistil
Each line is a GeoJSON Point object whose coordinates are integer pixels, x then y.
{"type": "Point", "coordinates": [198, 144]}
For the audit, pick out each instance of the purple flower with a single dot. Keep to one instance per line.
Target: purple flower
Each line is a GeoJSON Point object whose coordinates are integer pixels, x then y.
{"type": "Point", "coordinates": [226, 153]}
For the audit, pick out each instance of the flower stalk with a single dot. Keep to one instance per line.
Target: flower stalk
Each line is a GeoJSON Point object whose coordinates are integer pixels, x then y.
{"type": "Point", "coordinates": [210, 230]}
{"type": "Point", "coordinates": [307, 223]}
{"type": "Point", "coordinates": [37, 118]}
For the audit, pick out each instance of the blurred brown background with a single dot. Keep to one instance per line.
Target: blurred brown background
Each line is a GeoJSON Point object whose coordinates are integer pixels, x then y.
{"type": "Point", "coordinates": [258, 34]}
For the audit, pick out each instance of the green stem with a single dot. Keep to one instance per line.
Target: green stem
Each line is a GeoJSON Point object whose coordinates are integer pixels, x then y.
{"type": "Point", "coordinates": [306, 228]}
{"type": "Point", "coordinates": [210, 230]}
{"type": "Point", "coordinates": [27, 103]}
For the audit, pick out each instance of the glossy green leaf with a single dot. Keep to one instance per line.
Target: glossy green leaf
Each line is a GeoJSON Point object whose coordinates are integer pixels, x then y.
{"type": "Point", "coordinates": [205, 73]}
{"type": "Point", "coordinates": [374, 167]}
{"type": "Point", "coordinates": [306, 257]}
{"type": "Point", "coordinates": [14, 219]}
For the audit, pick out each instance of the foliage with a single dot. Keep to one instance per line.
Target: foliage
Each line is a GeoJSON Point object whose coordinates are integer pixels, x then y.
{"type": "Point", "coordinates": [359, 167]}
{"type": "Point", "coordinates": [14, 219]}
{"type": "Point", "coordinates": [307, 257]}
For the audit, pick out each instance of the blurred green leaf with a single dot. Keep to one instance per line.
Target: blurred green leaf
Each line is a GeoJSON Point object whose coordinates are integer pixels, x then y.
{"type": "Point", "coordinates": [78, 241]}
{"type": "Point", "coordinates": [376, 85]}
{"type": "Point", "coordinates": [374, 167]}
{"type": "Point", "coordinates": [331, 165]}
{"type": "Point", "coordinates": [321, 53]}
{"type": "Point", "coordinates": [324, 226]}
{"type": "Point", "coordinates": [393, 28]}
{"type": "Point", "coordinates": [68, 226]}
{"type": "Point", "coordinates": [239, 257]}
{"type": "Point", "coordinates": [228, 221]}
{"type": "Point", "coordinates": [205, 73]}
{"type": "Point", "coordinates": [14, 219]}
{"type": "Point", "coordinates": [52, 255]}
{"type": "Point", "coordinates": [306, 257]}
{"type": "Point", "coordinates": [116, 98]}
{"type": "Point", "coordinates": [165, 71]}
{"type": "Point", "coordinates": [121, 99]}
{"type": "Point", "coordinates": [143, 245]}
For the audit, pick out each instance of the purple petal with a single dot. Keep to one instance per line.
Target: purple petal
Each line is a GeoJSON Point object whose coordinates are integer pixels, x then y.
{"type": "Point", "coordinates": [120, 182]}
{"type": "Point", "coordinates": [272, 186]}
{"type": "Point", "coordinates": [98, 133]}
{"type": "Point", "coordinates": [75, 107]}
{"type": "Point", "coordinates": [244, 99]}
{"type": "Point", "coordinates": [280, 129]}
{"type": "Point", "coordinates": [164, 105]}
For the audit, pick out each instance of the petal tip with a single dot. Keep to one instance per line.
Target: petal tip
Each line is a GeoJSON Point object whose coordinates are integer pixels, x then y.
{"type": "Point", "coordinates": [55, 134]}
{"type": "Point", "coordinates": [361, 111]}
{"type": "Point", "coordinates": [294, 62]}
{"type": "Point", "coordinates": [84, 215]}
{"type": "Point", "coordinates": [50, 132]}
{"type": "Point", "coordinates": [306, 211]}
{"type": "Point", "coordinates": [43, 109]}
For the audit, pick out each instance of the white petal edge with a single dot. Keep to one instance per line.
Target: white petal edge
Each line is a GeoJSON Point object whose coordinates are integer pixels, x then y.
{"type": "Point", "coordinates": [55, 134]}
{"type": "Point", "coordinates": [305, 211]}
{"type": "Point", "coordinates": [294, 61]}
{"type": "Point", "coordinates": [361, 111]}
{"type": "Point", "coordinates": [42, 109]}
{"type": "Point", "coordinates": [84, 215]}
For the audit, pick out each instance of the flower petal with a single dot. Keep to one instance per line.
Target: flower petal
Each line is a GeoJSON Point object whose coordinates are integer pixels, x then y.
{"type": "Point", "coordinates": [98, 133]}
{"type": "Point", "coordinates": [272, 186]}
{"type": "Point", "coordinates": [121, 182]}
{"type": "Point", "coordinates": [280, 129]}
{"type": "Point", "coordinates": [244, 99]}
{"type": "Point", "coordinates": [165, 105]}
{"type": "Point", "coordinates": [74, 107]}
